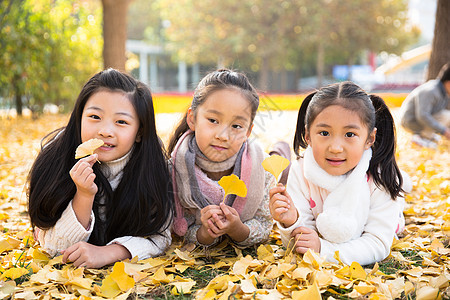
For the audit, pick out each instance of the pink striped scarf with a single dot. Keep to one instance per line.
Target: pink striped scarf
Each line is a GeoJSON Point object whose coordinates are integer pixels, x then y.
{"type": "Point", "coordinates": [194, 190]}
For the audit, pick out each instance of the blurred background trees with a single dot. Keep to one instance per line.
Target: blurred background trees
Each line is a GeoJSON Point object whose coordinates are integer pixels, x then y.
{"type": "Point", "coordinates": [264, 35]}
{"type": "Point", "coordinates": [50, 48]}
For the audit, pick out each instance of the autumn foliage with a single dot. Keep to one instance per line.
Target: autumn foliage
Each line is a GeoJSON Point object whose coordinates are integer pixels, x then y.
{"type": "Point", "coordinates": [418, 267]}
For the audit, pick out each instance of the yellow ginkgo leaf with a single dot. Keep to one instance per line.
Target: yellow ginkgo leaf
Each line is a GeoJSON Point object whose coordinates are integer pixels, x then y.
{"type": "Point", "coordinates": [233, 185]}
{"type": "Point", "coordinates": [357, 272]}
{"type": "Point", "coordinates": [311, 292]}
{"type": "Point", "coordinates": [364, 288]}
{"type": "Point", "coordinates": [8, 244]}
{"type": "Point", "coordinates": [88, 148]}
{"type": "Point", "coordinates": [275, 164]}
{"type": "Point", "coordinates": [123, 280]}
{"type": "Point", "coordinates": [183, 286]}
{"type": "Point", "coordinates": [109, 287]}
{"type": "Point", "coordinates": [14, 273]}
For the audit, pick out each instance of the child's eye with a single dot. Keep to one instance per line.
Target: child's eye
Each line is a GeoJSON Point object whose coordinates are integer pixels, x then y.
{"type": "Point", "coordinates": [212, 121]}
{"type": "Point", "coordinates": [324, 133]}
{"type": "Point", "coordinates": [94, 117]}
{"type": "Point", "coordinates": [349, 134]}
{"type": "Point", "coordinates": [122, 122]}
{"type": "Point", "coordinates": [236, 126]}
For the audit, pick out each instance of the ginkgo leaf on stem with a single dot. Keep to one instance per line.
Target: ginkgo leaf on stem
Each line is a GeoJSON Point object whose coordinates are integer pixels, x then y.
{"type": "Point", "coordinates": [233, 185]}
{"type": "Point", "coordinates": [275, 164]}
{"type": "Point", "coordinates": [88, 148]}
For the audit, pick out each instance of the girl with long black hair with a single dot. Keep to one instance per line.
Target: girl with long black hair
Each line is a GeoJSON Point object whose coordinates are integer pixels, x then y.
{"type": "Point", "coordinates": [98, 213]}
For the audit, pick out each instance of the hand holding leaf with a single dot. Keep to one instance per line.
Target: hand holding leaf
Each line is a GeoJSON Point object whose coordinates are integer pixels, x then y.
{"type": "Point", "coordinates": [88, 148]}
{"type": "Point", "coordinates": [233, 185]}
{"type": "Point", "coordinates": [275, 164]}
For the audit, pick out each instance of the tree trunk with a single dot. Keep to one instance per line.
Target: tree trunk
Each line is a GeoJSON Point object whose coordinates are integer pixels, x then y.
{"type": "Point", "coordinates": [320, 66]}
{"type": "Point", "coordinates": [17, 94]}
{"type": "Point", "coordinates": [114, 33]}
{"type": "Point", "coordinates": [440, 53]}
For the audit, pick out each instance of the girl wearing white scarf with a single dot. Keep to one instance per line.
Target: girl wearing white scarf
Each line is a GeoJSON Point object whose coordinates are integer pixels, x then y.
{"type": "Point", "coordinates": [343, 195]}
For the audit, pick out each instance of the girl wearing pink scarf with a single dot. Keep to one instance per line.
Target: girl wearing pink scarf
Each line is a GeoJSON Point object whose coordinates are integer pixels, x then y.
{"type": "Point", "coordinates": [210, 142]}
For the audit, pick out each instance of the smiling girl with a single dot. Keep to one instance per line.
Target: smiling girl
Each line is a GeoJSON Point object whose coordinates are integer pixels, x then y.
{"type": "Point", "coordinates": [344, 193]}
{"type": "Point", "coordinates": [98, 213]}
{"type": "Point", "coordinates": [210, 142]}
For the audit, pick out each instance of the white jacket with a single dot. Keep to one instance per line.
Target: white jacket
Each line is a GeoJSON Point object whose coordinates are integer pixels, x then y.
{"type": "Point", "coordinates": [385, 218]}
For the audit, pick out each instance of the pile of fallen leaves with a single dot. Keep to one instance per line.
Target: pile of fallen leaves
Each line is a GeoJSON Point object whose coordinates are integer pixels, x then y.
{"type": "Point", "coordinates": [418, 267]}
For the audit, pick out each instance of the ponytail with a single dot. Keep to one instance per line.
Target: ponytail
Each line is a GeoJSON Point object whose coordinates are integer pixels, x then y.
{"type": "Point", "coordinates": [383, 166]}
{"type": "Point", "coordinates": [300, 131]}
{"type": "Point", "coordinates": [179, 131]}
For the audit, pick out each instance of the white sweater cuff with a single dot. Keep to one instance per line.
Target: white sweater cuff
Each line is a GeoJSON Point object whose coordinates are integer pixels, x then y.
{"type": "Point", "coordinates": [285, 233]}
{"type": "Point", "coordinates": [66, 232]}
{"type": "Point", "coordinates": [144, 248]}
{"type": "Point", "coordinates": [69, 228]}
{"type": "Point", "coordinates": [327, 251]}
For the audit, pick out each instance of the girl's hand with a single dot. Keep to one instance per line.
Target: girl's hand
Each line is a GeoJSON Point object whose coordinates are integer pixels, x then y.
{"type": "Point", "coordinates": [86, 255]}
{"type": "Point", "coordinates": [305, 238]}
{"type": "Point", "coordinates": [281, 206]}
{"type": "Point", "coordinates": [83, 175]}
{"type": "Point", "coordinates": [231, 224]}
{"type": "Point", "coordinates": [208, 213]}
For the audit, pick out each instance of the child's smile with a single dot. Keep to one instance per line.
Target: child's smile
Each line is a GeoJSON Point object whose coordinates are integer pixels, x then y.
{"type": "Point", "coordinates": [338, 139]}
{"type": "Point", "coordinates": [110, 116]}
{"type": "Point", "coordinates": [221, 124]}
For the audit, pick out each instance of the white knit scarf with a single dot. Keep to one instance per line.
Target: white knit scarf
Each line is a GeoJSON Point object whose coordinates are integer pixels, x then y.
{"type": "Point", "coordinates": [346, 208]}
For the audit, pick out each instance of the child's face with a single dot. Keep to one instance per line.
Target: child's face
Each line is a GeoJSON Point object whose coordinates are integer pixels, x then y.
{"type": "Point", "coordinates": [338, 139]}
{"type": "Point", "coordinates": [111, 117]}
{"type": "Point", "coordinates": [222, 124]}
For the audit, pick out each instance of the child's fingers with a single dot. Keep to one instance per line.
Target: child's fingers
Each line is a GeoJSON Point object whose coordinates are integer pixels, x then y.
{"type": "Point", "coordinates": [79, 169]}
{"type": "Point", "coordinates": [301, 250]}
{"type": "Point", "coordinates": [277, 190]}
{"type": "Point", "coordinates": [278, 197]}
{"type": "Point", "coordinates": [280, 202]}
{"type": "Point", "coordinates": [299, 230]}
{"type": "Point", "coordinates": [228, 211]}
{"type": "Point", "coordinates": [86, 173]}
{"type": "Point", "coordinates": [225, 210]}
{"type": "Point", "coordinates": [213, 227]}
{"type": "Point", "coordinates": [210, 210]}
{"type": "Point", "coordinates": [67, 252]}
{"type": "Point", "coordinates": [278, 212]}
{"type": "Point", "coordinates": [218, 222]}
{"type": "Point", "coordinates": [91, 159]}
{"type": "Point", "coordinates": [88, 160]}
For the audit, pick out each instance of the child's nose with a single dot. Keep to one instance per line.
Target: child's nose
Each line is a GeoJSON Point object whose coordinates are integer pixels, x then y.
{"type": "Point", "coordinates": [105, 131]}
{"type": "Point", "coordinates": [222, 134]}
{"type": "Point", "coordinates": [336, 146]}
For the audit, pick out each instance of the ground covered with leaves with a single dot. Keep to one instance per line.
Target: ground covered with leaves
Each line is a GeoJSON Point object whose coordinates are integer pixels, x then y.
{"type": "Point", "coordinates": [418, 267]}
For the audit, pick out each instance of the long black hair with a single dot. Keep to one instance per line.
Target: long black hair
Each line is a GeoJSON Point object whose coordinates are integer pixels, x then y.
{"type": "Point", "coordinates": [213, 82]}
{"type": "Point", "coordinates": [140, 205]}
{"type": "Point", "coordinates": [373, 112]}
